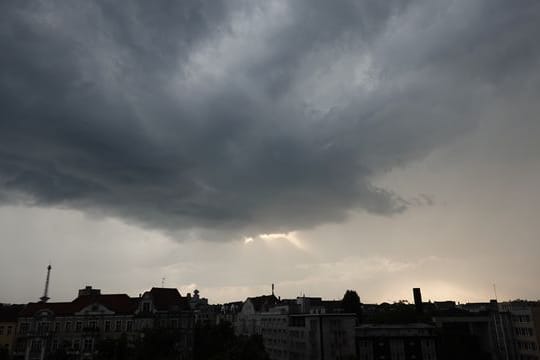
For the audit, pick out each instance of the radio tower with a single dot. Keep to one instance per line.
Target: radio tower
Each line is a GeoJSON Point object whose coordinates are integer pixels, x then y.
{"type": "Point", "coordinates": [44, 298]}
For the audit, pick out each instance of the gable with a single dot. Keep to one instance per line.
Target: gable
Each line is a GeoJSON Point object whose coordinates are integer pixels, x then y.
{"type": "Point", "coordinates": [95, 309]}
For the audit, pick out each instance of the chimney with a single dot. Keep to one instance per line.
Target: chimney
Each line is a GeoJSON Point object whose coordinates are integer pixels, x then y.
{"type": "Point", "coordinates": [89, 291]}
{"type": "Point", "coordinates": [418, 300]}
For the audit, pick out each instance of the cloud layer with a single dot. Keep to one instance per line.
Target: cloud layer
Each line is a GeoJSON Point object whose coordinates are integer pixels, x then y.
{"type": "Point", "coordinates": [250, 116]}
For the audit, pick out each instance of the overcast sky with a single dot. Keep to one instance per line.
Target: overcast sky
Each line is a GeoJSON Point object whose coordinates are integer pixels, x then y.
{"type": "Point", "coordinates": [230, 144]}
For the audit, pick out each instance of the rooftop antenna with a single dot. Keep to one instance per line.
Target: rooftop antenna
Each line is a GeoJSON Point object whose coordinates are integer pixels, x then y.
{"type": "Point", "coordinates": [495, 291]}
{"type": "Point", "coordinates": [163, 282]}
{"type": "Point", "coordinates": [272, 289]}
{"type": "Point", "coordinates": [44, 298]}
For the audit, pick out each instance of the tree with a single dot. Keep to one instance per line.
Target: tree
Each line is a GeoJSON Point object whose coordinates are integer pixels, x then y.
{"type": "Point", "coordinates": [220, 343]}
{"type": "Point", "coordinates": [161, 344]}
{"type": "Point", "coordinates": [112, 349]}
{"type": "Point", "coordinates": [351, 304]}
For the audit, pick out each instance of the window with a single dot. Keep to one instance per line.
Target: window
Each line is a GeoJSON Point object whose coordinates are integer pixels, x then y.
{"type": "Point", "coordinates": [1, 330]}
{"type": "Point", "coordinates": [118, 325]}
{"type": "Point", "coordinates": [54, 345]}
{"type": "Point", "coordinates": [92, 324]}
{"type": "Point", "coordinates": [9, 328]}
{"type": "Point", "coordinates": [129, 325]}
{"type": "Point", "coordinates": [174, 324]}
{"type": "Point", "coordinates": [78, 326]}
{"type": "Point", "coordinates": [20, 346]}
{"type": "Point", "coordinates": [24, 328]}
{"type": "Point", "coordinates": [35, 346]}
{"type": "Point", "coordinates": [43, 327]}
{"type": "Point", "coordinates": [68, 326]}
{"type": "Point", "coordinates": [107, 325]}
{"type": "Point", "coordinates": [57, 326]}
{"type": "Point", "coordinates": [76, 344]}
{"type": "Point", "coordinates": [87, 345]}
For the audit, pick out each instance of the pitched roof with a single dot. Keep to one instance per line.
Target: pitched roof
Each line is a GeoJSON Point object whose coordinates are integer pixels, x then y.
{"type": "Point", "coordinates": [167, 299]}
{"type": "Point", "coordinates": [9, 313]}
{"type": "Point", "coordinates": [262, 303]}
{"type": "Point", "coordinates": [58, 308]}
{"type": "Point", "coordinates": [119, 303]}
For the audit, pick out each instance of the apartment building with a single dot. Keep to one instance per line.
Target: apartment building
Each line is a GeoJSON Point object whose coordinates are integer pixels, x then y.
{"type": "Point", "coordinates": [78, 328]}
{"type": "Point", "coordinates": [8, 327]}
{"type": "Point", "coordinates": [299, 329]}
{"type": "Point", "coordinates": [396, 341]}
{"type": "Point", "coordinates": [526, 325]}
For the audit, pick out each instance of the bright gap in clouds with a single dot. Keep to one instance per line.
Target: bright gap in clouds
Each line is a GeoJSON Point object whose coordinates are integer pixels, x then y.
{"type": "Point", "coordinates": [291, 237]}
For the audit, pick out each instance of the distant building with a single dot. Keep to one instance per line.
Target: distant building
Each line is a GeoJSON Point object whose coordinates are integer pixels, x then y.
{"type": "Point", "coordinates": [77, 328]}
{"type": "Point", "coordinates": [204, 314]}
{"type": "Point", "coordinates": [476, 335]}
{"type": "Point", "coordinates": [165, 309]}
{"type": "Point", "coordinates": [525, 317]}
{"type": "Point", "coordinates": [248, 320]}
{"type": "Point", "coordinates": [8, 327]}
{"type": "Point", "coordinates": [229, 312]}
{"type": "Point", "coordinates": [396, 342]}
{"type": "Point", "coordinates": [303, 328]}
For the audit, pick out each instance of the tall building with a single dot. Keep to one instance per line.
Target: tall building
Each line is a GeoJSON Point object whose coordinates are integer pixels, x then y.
{"type": "Point", "coordinates": [525, 317]}
{"type": "Point", "coordinates": [304, 328]}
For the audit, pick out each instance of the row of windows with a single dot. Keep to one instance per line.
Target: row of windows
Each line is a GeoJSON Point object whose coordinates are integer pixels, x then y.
{"type": "Point", "coordinates": [44, 327]}
{"type": "Point", "coordinates": [274, 331]}
{"type": "Point", "coordinates": [524, 331]}
{"type": "Point", "coordinates": [521, 318]}
{"type": "Point", "coordinates": [92, 325]}
{"type": "Point", "coordinates": [75, 344]}
{"type": "Point", "coordinates": [272, 320]}
{"type": "Point", "coordinates": [525, 345]}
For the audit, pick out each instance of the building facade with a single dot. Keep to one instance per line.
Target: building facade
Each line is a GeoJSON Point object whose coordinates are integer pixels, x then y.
{"type": "Point", "coordinates": [299, 329]}
{"type": "Point", "coordinates": [396, 342]}
{"type": "Point", "coordinates": [525, 317]}
{"type": "Point", "coordinates": [8, 327]}
{"type": "Point", "coordinates": [94, 323]}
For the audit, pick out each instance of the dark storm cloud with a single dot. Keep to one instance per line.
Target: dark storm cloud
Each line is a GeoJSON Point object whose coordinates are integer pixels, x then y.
{"type": "Point", "coordinates": [250, 116]}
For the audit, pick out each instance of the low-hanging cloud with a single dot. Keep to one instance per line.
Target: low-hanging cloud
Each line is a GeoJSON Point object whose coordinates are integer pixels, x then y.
{"type": "Point", "coordinates": [250, 116]}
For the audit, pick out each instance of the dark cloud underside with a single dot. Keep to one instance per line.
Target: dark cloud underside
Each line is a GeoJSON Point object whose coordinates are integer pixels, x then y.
{"type": "Point", "coordinates": [245, 115]}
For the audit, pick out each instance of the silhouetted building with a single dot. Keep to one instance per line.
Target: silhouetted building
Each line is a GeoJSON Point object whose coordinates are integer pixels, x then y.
{"type": "Point", "coordinates": [396, 341]}
{"type": "Point", "coordinates": [77, 328]}
{"type": "Point", "coordinates": [525, 317]}
{"type": "Point", "coordinates": [229, 312]}
{"type": "Point", "coordinates": [8, 326]}
{"type": "Point", "coordinates": [480, 335]}
{"type": "Point", "coordinates": [249, 317]}
{"type": "Point", "coordinates": [203, 313]}
{"type": "Point", "coordinates": [166, 310]}
{"type": "Point", "coordinates": [303, 328]}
